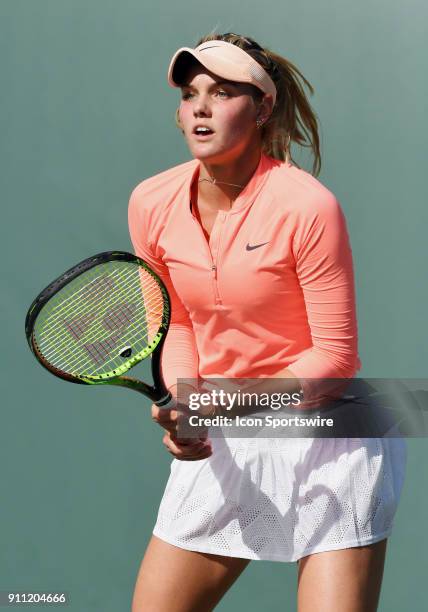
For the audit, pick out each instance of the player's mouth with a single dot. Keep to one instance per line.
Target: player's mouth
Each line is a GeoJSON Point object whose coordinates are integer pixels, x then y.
{"type": "Point", "coordinates": [202, 132]}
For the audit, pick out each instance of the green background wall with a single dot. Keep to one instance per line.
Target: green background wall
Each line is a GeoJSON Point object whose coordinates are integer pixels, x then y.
{"type": "Point", "coordinates": [86, 114]}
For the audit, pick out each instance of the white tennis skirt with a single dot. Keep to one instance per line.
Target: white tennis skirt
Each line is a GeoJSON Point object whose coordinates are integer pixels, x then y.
{"type": "Point", "coordinates": [278, 499]}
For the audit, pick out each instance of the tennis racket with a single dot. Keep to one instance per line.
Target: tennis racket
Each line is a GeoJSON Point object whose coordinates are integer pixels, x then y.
{"type": "Point", "coordinates": [99, 319]}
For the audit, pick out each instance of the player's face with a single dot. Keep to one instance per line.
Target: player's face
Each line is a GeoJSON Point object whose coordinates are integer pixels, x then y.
{"type": "Point", "coordinates": [227, 108]}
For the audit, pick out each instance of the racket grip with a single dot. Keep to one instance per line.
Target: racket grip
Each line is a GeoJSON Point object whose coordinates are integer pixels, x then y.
{"type": "Point", "coordinates": [168, 401]}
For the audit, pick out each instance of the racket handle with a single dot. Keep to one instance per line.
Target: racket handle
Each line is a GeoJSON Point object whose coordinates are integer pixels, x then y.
{"type": "Point", "coordinates": [168, 401]}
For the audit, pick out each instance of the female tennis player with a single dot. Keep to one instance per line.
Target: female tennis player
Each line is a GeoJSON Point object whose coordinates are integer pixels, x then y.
{"type": "Point", "coordinates": [255, 254]}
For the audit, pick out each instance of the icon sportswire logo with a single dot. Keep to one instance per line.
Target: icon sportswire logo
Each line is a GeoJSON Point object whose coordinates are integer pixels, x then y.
{"type": "Point", "coordinates": [255, 246]}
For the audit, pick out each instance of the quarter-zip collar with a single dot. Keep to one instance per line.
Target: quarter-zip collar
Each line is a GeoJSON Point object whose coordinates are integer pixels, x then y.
{"type": "Point", "coordinates": [251, 189]}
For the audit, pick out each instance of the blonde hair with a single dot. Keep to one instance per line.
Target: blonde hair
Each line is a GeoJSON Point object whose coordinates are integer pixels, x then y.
{"type": "Point", "coordinates": [292, 118]}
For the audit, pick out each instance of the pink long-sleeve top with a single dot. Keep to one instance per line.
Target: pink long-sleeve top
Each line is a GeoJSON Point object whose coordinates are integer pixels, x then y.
{"type": "Point", "coordinates": [272, 289]}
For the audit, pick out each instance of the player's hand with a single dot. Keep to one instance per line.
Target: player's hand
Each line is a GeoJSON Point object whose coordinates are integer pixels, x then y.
{"type": "Point", "coordinates": [191, 449]}
{"type": "Point", "coordinates": [186, 449]}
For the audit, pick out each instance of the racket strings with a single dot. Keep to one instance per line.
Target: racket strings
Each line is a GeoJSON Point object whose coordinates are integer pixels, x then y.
{"type": "Point", "coordinates": [80, 302]}
{"type": "Point", "coordinates": [100, 351]}
{"type": "Point", "coordinates": [153, 307]}
{"type": "Point", "coordinates": [153, 303]}
{"type": "Point", "coordinates": [78, 327]}
{"type": "Point", "coordinates": [98, 313]}
{"type": "Point", "coordinates": [88, 289]}
{"type": "Point", "coordinates": [98, 347]}
{"type": "Point", "coordinates": [62, 305]}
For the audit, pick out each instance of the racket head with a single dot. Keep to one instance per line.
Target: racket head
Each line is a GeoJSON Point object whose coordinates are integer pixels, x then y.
{"type": "Point", "coordinates": [99, 319]}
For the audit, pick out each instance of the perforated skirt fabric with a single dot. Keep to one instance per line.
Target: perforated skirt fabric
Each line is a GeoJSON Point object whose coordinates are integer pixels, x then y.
{"type": "Point", "coordinates": [282, 499]}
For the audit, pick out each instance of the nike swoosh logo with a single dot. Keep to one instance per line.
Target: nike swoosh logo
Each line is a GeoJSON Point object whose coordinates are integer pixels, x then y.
{"type": "Point", "coordinates": [255, 246]}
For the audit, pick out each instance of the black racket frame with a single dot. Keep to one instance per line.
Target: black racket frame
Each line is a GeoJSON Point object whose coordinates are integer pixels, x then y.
{"type": "Point", "coordinates": [157, 392]}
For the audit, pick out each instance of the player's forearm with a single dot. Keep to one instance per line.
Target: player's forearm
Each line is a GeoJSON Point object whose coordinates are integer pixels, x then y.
{"type": "Point", "coordinates": [179, 356]}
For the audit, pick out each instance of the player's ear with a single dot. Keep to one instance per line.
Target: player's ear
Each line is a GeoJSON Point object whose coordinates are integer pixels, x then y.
{"type": "Point", "coordinates": [265, 108]}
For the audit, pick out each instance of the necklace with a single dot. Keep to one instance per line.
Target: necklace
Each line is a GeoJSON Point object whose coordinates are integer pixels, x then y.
{"type": "Point", "coordinates": [214, 181]}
